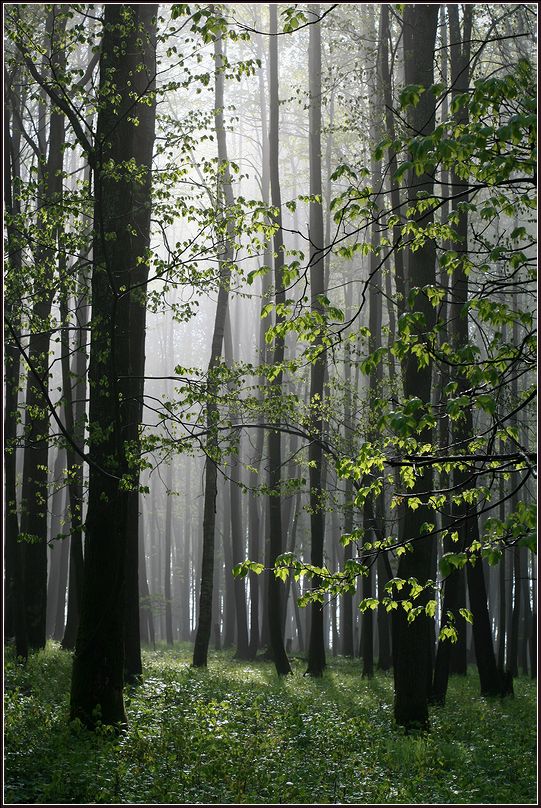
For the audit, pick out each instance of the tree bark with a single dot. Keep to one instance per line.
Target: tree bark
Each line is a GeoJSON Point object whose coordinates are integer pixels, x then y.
{"type": "Point", "coordinates": [316, 649]}
{"type": "Point", "coordinates": [237, 535]}
{"type": "Point", "coordinates": [274, 596]}
{"type": "Point", "coordinates": [204, 626]}
{"type": "Point", "coordinates": [34, 487]}
{"type": "Point", "coordinates": [14, 615]}
{"type": "Point", "coordinates": [411, 642]}
{"type": "Point", "coordinates": [120, 271]}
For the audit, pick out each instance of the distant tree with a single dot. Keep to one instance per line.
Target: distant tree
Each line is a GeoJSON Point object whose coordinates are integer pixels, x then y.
{"type": "Point", "coordinates": [34, 493]}
{"type": "Point", "coordinates": [225, 203]}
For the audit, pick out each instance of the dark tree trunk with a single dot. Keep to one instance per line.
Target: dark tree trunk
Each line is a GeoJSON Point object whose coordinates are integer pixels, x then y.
{"type": "Point", "coordinates": [74, 414]}
{"type": "Point", "coordinates": [34, 486]}
{"type": "Point", "coordinates": [376, 375]}
{"type": "Point", "coordinates": [400, 272]}
{"type": "Point", "coordinates": [129, 40]}
{"type": "Point", "coordinates": [411, 642]}
{"type": "Point", "coordinates": [453, 658]}
{"type": "Point", "coordinates": [274, 599]}
{"type": "Point", "coordinates": [14, 615]}
{"type": "Point", "coordinates": [347, 600]}
{"type": "Point", "coordinates": [167, 566]}
{"type": "Point", "coordinates": [257, 511]}
{"type": "Point", "coordinates": [316, 649]}
{"type": "Point", "coordinates": [237, 535]}
{"type": "Point", "coordinates": [229, 593]}
{"type": "Point", "coordinates": [186, 563]}
{"type": "Point", "coordinates": [204, 625]}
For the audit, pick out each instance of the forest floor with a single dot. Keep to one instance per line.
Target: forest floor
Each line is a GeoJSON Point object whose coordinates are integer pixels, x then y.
{"type": "Point", "coordinates": [236, 734]}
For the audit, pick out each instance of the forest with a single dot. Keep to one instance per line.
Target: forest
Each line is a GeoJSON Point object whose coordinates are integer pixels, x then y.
{"type": "Point", "coordinates": [270, 403]}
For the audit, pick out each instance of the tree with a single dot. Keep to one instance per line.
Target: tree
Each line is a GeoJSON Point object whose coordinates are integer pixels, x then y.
{"type": "Point", "coordinates": [34, 488]}
{"type": "Point", "coordinates": [122, 180]}
{"type": "Point", "coordinates": [316, 650]}
{"type": "Point", "coordinates": [411, 648]}
{"type": "Point", "coordinates": [226, 203]}
{"type": "Point", "coordinates": [14, 616]}
{"type": "Point", "coordinates": [274, 606]}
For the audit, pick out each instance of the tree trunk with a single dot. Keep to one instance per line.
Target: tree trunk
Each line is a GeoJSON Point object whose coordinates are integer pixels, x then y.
{"type": "Point", "coordinates": [117, 343]}
{"type": "Point", "coordinates": [34, 487]}
{"type": "Point", "coordinates": [75, 415]}
{"type": "Point", "coordinates": [316, 649]}
{"type": "Point", "coordinates": [274, 598]}
{"type": "Point", "coordinates": [167, 566]}
{"type": "Point", "coordinates": [237, 534]}
{"type": "Point", "coordinates": [14, 615]}
{"type": "Point", "coordinates": [204, 625]}
{"type": "Point", "coordinates": [411, 642]}
{"type": "Point", "coordinates": [145, 609]}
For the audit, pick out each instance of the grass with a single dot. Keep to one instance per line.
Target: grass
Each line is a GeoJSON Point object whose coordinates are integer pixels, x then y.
{"type": "Point", "coordinates": [235, 733]}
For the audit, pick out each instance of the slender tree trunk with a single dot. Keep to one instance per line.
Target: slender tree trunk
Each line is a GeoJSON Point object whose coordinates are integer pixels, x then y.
{"type": "Point", "coordinates": [58, 511]}
{"type": "Point", "coordinates": [167, 566]}
{"type": "Point", "coordinates": [237, 534]}
{"type": "Point", "coordinates": [400, 272]}
{"type": "Point", "coordinates": [75, 403]}
{"type": "Point", "coordinates": [347, 600]}
{"type": "Point", "coordinates": [34, 486]}
{"type": "Point", "coordinates": [274, 601]}
{"type": "Point", "coordinates": [316, 650]}
{"type": "Point", "coordinates": [14, 615]}
{"type": "Point", "coordinates": [186, 563]}
{"type": "Point", "coordinates": [147, 619]}
{"type": "Point", "coordinates": [204, 625]}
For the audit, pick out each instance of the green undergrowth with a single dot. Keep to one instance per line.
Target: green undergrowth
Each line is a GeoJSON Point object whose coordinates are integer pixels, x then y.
{"type": "Point", "coordinates": [235, 733]}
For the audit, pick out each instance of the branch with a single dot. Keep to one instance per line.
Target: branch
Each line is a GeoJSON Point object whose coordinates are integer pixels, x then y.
{"type": "Point", "coordinates": [52, 409]}
{"type": "Point", "coordinates": [60, 102]}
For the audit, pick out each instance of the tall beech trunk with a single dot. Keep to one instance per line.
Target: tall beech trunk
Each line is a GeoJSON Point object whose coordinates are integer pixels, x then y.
{"type": "Point", "coordinates": [167, 565]}
{"type": "Point", "coordinates": [468, 526]}
{"type": "Point", "coordinates": [74, 414]}
{"type": "Point", "coordinates": [411, 642]}
{"type": "Point", "coordinates": [34, 485]}
{"type": "Point", "coordinates": [58, 512]}
{"type": "Point", "coordinates": [316, 649]}
{"type": "Point", "coordinates": [14, 615]}
{"type": "Point", "coordinates": [237, 534]}
{"type": "Point", "coordinates": [204, 625]}
{"type": "Point", "coordinates": [376, 374]}
{"type": "Point", "coordinates": [276, 542]}
{"type": "Point", "coordinates": [460, 48]}
{"type": "Point", "coordinates": [385, 38]}
{"type": "Point", "coordinates": [120, 271]}
{"type": "Point", "coordinates": [347, 600]}
{"type": "Point", "coordinates": [185, 571]}
{"type": "Point", "coordinates": [228, 580]}
{"type": "Point", "coordinates": [145, 610]}
{"type": "Point", "coordinates": [256, 508]}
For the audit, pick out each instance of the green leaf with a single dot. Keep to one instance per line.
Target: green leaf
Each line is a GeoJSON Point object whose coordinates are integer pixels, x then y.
{"type": "Point", "coordinates": [430, 608]}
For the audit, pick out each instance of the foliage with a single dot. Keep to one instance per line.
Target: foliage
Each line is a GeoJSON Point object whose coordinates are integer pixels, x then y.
{"type": "Point", "coordinates": [237, 734]}
{"type": "Point", "coordinates": [493, 155]}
